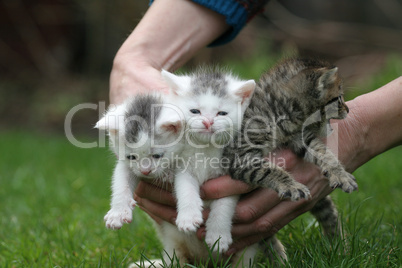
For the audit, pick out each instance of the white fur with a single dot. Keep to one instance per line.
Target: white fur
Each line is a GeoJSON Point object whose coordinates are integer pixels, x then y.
{"type": "Point", "coordinates": [201, 149]}
{"type": "Point", "coordinates": [123, 184]}
{"type": "Point", "coordinates": [122, 202]}
{"type": "Point", "coordinates": [206, 133]}
{"type": "Point", "coordinates": [127, 173]}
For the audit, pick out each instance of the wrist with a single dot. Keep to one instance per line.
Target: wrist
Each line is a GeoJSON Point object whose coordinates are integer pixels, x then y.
{"type": "Point", "coordinates": [352, 136]}
{"type": "Point", "coordinates": [373, 125]}
{"type": "Point", "coordinates": [171, 32]}
{"type": "Point", "coordinates": [133, 73]}
{"type": "Point", "coordinates": [135, 53]}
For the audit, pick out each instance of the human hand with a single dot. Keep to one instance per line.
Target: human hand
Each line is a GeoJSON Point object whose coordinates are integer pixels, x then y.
{"type": "Point", "coordinates": [259, 214]}
{"type": "Point", "coordinates": [132, 75]}
{"type": "Point", "coordinates": [166, 37]}
{"type": "Point", "coordinates": [355, 139]}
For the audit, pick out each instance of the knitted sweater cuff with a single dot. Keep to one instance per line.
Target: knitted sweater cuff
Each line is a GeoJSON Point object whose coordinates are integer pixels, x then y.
{"type": "Point", "coordinates": [235, 14]}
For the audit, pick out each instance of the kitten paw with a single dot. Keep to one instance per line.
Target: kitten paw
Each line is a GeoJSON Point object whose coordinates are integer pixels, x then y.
{"type": "Point", "coordinates": [342, 179]}
{"type": "Point", "coordinates": [119, 215]}
{"type": "Point", "coordinates": [189, 222]}
{"type": "Point", "coordinates": [294, 192]}
{"type": "Point", "coordinates": [218, 242]}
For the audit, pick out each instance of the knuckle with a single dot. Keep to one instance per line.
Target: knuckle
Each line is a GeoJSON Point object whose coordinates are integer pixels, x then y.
{"type": "Point", "coordinates": [286, 158]}
{"type": "Point", "coordinates": [264, 225]}
{"type": "Point", "coordinates": [212, 191]}
{"type": "Point", "coordinates": [140, 189]}
{"type": "Point", "coordinates": [138, 201]}
{"type": "Point", "coordinates": [247, 214]}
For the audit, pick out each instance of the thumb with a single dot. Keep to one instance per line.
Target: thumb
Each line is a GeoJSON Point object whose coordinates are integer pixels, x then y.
{"type": "Point", "coordinates": [222, 187]}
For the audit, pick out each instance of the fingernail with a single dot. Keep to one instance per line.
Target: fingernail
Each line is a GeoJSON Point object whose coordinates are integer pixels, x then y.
{"type": "Point", "coordinates": [231, 251]}
{"type": "Point", "coordinates": [203, 234]}
{"type": "Point", "coordinates": [136, 198]}
{"type": "Point", "coordinates": [202, 193]}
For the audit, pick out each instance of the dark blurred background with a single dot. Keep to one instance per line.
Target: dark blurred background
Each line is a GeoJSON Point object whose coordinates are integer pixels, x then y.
{"type": "Point", "coordinates": [55, 54]}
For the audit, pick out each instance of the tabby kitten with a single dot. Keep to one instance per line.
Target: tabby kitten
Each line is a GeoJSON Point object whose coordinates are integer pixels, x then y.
{"type": "Point", "coordinates": [291, 108]}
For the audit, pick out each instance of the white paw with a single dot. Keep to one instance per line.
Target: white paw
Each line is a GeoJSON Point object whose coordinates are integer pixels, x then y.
{"type": "Point", "coordinates": [221, 245]}
{"type": "Point", "coordinates": [189, 221]}
{"type": "Point", "coordinates": [118, 215]}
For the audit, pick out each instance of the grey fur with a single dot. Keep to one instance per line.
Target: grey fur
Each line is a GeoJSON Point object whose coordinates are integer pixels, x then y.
{"type": "Point", "coordinates": [213, 80]}
{"type": "Point", "coordinates": [141, 115]}
{"type": "Point", "coordinates": [286, 97]}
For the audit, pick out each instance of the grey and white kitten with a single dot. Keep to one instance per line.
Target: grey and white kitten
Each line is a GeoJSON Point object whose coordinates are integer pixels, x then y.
{"type": "Point", "coordinates": [140, 148]}
{"type": "Point", "coordinates": [209, 107]}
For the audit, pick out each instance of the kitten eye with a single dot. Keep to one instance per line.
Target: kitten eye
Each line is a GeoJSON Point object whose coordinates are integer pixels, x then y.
{"type": "Point", "coordinates": [131, 157]}
{"type": "Point", "coordinates": [222, 113]}
{"type": "Point", "coordinates": [195, 111]}
{"type": "Point", "coordinates": [157, 156]}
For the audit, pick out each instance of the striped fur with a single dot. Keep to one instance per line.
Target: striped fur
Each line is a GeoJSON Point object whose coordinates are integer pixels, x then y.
{"type": "Point", "coordinates": [291, 107]}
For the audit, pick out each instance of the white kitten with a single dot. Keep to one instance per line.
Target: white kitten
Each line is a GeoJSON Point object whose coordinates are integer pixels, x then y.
{"type": "Point", "coordinates": [213, 104]}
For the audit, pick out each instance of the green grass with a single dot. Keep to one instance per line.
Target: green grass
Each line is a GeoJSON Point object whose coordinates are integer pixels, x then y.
{"type": "Point", "coordinates": [54, 196]}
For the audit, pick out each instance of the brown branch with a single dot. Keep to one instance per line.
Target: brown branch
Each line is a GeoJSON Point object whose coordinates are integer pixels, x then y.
{"type": "Point", "coordinates": [330, 32]}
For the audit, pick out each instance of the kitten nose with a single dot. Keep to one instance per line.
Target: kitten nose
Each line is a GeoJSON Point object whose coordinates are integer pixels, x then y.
{"type": "Point", "coordinates": [207, 123]}
{"type": "Point", "coordinates": [146, 172]}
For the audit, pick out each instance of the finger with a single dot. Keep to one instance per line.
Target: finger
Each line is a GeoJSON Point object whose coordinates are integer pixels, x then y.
{"type": "Point", "coordinates": [154, 193]}
{"type": "Point", "coordinates": [158, 220]}
{"type": "Point", "coordinates": [284, 158]}
{"type": "Point", "coordinates": [319, 190]}
{"type": "Point", "coordinates": [271, 222]}
{"type": "Point", "coordinates": [250, 218]}
{"type": "Point", "coordinates": [166, 213]}
{"type": "Point", "coordinates": [253, 205]}
{"type": "Point", "coordinates": [267, 225]}
{"type": "Point", "coordinates": [201, 232]}
{"type": "Point", "coordinates": [242, 243]}
{"type": "Point", "coordinates": [222, 187]}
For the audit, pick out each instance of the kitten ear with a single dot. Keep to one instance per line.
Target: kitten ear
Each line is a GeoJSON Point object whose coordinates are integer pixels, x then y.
{"type": "Point", "coordinates": [173, 127]}
{"type": "Point", "coordinates": [328, 76]}
{"type": "Point", "coordinates": [171, 120]}
{"type": "Point", "coordinates": [113, 121]}
{"type": "Point", "coordinates": [175, 82]}
{"type": "Point", "coordinates": [244, 89]}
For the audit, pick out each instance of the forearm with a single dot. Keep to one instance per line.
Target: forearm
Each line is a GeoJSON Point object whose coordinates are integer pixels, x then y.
{"type": "Point", "coordinates": [168, 35]}
{"type": "Point", "coordinates": [171, 32]}
{"type": "Point", "coordinates": [374, 124]}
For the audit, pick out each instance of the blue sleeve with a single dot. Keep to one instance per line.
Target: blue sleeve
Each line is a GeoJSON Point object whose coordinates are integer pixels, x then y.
{"type": "Point", "coordinates": [236, 12]}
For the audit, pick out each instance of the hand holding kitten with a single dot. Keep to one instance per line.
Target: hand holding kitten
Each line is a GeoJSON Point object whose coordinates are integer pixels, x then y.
{"type": "Point", "coordinates": [261, 207]}
{"type": "Point", "coordinates": [131, 76]}
{"type": "Point", "coordinates": [259, 213]}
